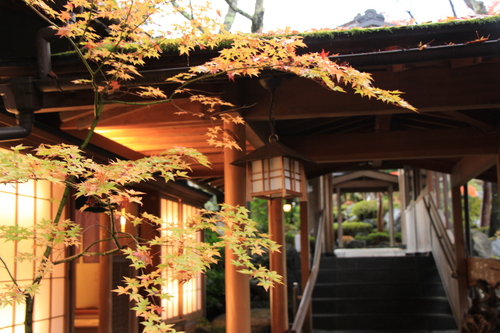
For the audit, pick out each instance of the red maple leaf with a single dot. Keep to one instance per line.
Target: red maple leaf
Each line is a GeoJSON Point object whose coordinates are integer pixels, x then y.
{"type": "Point", "coordinates": [324, 54]}
{"type": "Point", "coordinates": [65, 16]}
{"type": "Point", "coordinates": [114, 85]}
{"type": "Point", "coordinates": [144, 256]}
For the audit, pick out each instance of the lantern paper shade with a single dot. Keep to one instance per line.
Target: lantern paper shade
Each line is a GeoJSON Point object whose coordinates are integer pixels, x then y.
{"type": "Point", "coordinates": [274, 171]}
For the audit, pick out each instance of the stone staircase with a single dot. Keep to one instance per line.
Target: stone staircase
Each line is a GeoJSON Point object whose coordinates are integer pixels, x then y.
{"type": "Point", "coordinates": [380, 294]}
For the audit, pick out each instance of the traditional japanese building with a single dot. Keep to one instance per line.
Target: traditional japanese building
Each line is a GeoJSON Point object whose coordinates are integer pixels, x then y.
{"type": "Point", "coordinates": [448, 71]}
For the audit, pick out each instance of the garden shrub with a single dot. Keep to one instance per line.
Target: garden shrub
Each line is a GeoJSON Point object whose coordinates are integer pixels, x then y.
{"type": "Point", "coordinates": [354, 228]}
{"type": "Point", "coordinates": [366, 209]}
{"type": "Point", "coordinates": [377, 238]}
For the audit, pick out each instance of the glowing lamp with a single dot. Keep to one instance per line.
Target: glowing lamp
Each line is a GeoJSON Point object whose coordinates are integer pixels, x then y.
{"type": "Point", "coordinates": [274, 171]}
{"type": "Point", "coordinates": [287, 207]}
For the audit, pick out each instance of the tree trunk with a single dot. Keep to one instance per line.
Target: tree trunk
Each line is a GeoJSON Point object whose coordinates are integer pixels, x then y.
{"type": "Point", "coordinates": [477, 6]}
{"type": "Point", "coordinates": [28, 318]}
{"type": "Point", "coordinates": [230, 16]}
{"type": "Point", "coordinates": [495, 211]}
{"type": "Point", "coordinates": [258, 17]}
{"type": "Point", "coordinates": [486, 205]}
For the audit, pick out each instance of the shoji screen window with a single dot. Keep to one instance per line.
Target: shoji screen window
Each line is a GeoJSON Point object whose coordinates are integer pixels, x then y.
{"type": "Point", "coordinates": [22, 205]}
{"type": "Point", "coordinates": [187, 300]}
{"type": "Point", "coordinates": [192, 290]}
{"type": "Point", "coordinates": [170, 215]}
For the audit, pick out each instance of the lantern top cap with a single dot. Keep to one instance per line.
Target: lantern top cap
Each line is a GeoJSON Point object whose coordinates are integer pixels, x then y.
{"type": "Point", "coordinates": [269, 150]}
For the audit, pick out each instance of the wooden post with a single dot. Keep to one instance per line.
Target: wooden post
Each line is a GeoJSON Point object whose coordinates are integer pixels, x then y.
{"type": "Point", "coordinates": [391, 217]}
{"type": "Point", "coordinates": [403, 204]}
{"type": "Point", "coordinates": [328, 214]}
{"type": "Point", "coordinates": [340, 231]}
{"type": "Point", "coordinates": [460, 255]}
{"type": "Point", "coordinates": [380, 213]}
{"type": "Point", "coordinates": [305, 259]}
{"type": "Point", "coordinates": [277, 260]}
{"type": "Point", "coordinates": [105, 279]}
{"type": "Point", "coordinates": [237, 284]}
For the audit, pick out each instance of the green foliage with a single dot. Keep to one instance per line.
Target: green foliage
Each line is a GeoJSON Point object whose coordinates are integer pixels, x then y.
{"type": "Point", "coordinates": [215, 281]}
{"type": "Point", "coordinates": [354, 228]}
{"type": "Point", "coordinates": [474, 208]}
{"type": "Point", "coordinates": [377, 238]}
{"type": "Point", "coordinates": [366, 209]}
{"type": "Point", "coordinates": [258, 210]}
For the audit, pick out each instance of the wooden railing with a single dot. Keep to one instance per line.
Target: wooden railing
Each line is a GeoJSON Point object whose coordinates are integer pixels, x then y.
{"type": "Point", "coordinates": [305, 300]}
{"type": "Point", "coordinates": [445, 243]}
{"type": "Point", "coordinates": [443, 251]}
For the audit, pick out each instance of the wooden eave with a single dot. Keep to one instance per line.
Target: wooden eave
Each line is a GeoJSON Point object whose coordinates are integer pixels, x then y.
{"type": "Point", "coordinates": [365, 181]}
{"type": "Point", "coordinates": [454, 88]}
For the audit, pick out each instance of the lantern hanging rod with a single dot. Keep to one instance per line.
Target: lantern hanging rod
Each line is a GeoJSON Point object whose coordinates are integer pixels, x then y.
{"type": "Point", "coordinates": [271, 84]}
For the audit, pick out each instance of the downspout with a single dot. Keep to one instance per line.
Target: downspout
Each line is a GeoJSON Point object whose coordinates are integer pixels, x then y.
{"type": "Point", "coordinates": [20, 99]}
{"type": "Point", "coordinates": [43, 39]}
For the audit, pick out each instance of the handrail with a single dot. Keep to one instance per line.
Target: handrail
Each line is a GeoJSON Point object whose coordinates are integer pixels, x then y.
{"type": "Point", "coordinates": [307, 294]}
{"type": "Point", "coordinates": [444, 241]}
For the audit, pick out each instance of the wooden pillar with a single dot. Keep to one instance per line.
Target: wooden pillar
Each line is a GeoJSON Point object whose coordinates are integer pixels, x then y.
{"type": "Point", "coordinates": [391, 217]}
{"type": "Point", "coordinates": [305, 259]}
{"type": "Point", "coordinates": [237, 284]}
{"type": "Point", "coordinates": [105, 279]}
{"type": "Point", "coordinates": [277, 260]}
{"type": "Point", "coordinates": [328, 214]}
{"type": "Point", "coordinates": [340, 231]}
{"type": "Point", "coordinates": [403, 204]}
{"type": "Point", "coordinates": [460, 255]}
{"type": "Point", "coordinates": [380, 213]}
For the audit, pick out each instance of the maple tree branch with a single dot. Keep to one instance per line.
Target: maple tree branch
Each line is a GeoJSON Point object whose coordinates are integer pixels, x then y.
{"type": "Point", "coordinates": [238, 10]}
{"type": "Point", "coordinates": [9, 272]}
{"type": "Point", "coordinates": [186, 14]}
{"type": "Point", "coordinates": [94, 253]}
{"type": "Point", "coordinates": [181, 11]}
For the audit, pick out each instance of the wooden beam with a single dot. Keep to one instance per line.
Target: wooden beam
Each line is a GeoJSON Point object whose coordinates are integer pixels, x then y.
{"type": "Point", "coordinates": [470, 167]}
{"type": "Point", "coordinates": [473, 121]}
{"type": "Point", "coordinates": [429, 89]}
{"type": "Point", "coordinates": [370, 174]}
{"type": "Point", "coordinates": [394, 145]}
{"type": "Point", "coordinates": [367, 184]}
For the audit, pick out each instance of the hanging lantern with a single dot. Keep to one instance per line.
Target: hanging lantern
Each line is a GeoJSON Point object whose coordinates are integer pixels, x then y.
{"type": "Point", "coordinates": [274, 171]}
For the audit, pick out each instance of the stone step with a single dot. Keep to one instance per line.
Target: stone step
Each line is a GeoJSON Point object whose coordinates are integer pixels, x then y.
{"type": "Point", "coordinates": [396, 294]}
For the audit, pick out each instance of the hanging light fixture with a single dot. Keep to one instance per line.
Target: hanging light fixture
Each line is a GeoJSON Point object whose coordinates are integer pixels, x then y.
{"type": "Point", "coordinates": [287, 207]}
{"type": "Point", "coordinates": [274, 170]}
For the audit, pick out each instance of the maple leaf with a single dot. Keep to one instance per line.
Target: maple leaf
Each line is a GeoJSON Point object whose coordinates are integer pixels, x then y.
{"type": "Point", "coordinates": [121, 290]}
{"type": "Point", "coordinates": [144, 256]}
{"type": "Point", "coordinates": [114, 85]}
{"type": "Point", "coordinates": [324, 54]}
{"type": "Point", "coordinates": [156, 308]}
{"type": "Point", "coordinates": [64, 32]}
{"type": "Point", "coordinates": [65, 16]}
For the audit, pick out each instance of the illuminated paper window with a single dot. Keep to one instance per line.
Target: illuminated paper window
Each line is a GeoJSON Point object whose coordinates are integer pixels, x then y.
{"type": "Point", "coordinates": [187, 297]}
{"type": "Point", "coordinates": [22, 205]}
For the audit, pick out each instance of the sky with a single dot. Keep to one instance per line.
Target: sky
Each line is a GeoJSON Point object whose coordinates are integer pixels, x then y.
{"type": "Point", "coordinates": [302, 15]}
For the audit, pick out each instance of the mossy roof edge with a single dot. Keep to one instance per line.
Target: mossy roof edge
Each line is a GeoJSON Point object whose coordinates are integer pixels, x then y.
{"type": "Point", "coordinates": [331, 35]}
{"type": "Point", "coordinates": [356, 32]}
